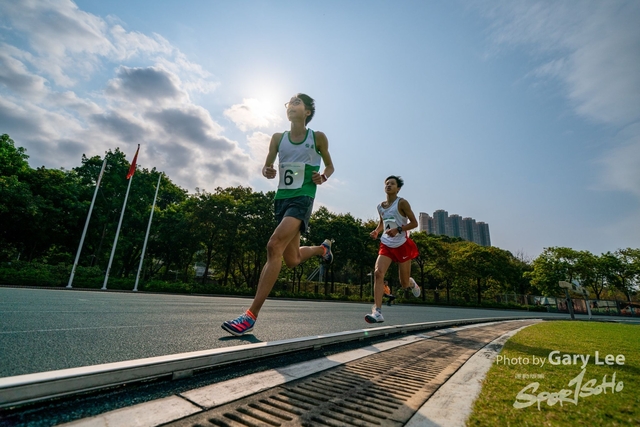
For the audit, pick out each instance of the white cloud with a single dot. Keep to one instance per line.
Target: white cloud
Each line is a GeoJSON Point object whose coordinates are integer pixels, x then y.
{"type": "Point", "coordinates": [147, 101]}
{"type": "Point", "coordinates": [69, 44]}
{"type": "Point", "coordinates": [14, 74]}
{"type": "Point", "coordinates": [145, 84]}
{"type": "Point", "coordinates": [258, 143]}
{"type": "Point", "coordinates": [65, 39]}
{"type": "Point", "coordinates": [259, 146]}
{"type": "Point", "coordinates": [69, 100]}
{"type": "Point", "coordinates": [195, 78]}
{"type": "Point", "coordinates": [252, 114]}
{"type": "Point", "coordinates": [129, 44]}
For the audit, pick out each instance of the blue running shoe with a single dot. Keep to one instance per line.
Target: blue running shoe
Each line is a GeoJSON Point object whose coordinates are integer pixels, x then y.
{"type": "Point", "coordinates": [241, 325]}
{"type": "Point", "coordinates": [327, 257]}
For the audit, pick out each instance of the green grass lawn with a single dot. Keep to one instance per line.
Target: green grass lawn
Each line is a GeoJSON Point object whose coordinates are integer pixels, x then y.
{"type": "Point", "coordinates": [599, 401]}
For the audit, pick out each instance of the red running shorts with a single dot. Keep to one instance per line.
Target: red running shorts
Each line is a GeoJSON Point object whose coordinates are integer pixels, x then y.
{"type": "Point", "coordinates": [403, 253]}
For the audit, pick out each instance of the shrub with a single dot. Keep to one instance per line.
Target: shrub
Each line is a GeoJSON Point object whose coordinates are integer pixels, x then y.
{"type": "Point", "coordinates": [33, 274]}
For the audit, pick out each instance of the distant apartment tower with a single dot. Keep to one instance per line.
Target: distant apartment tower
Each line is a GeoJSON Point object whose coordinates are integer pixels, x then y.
{"type": "Point", "coordinates": [455, 226]}
{"type": "Point", "coordinates": [441, 222]}
{"type": "Point", "coordinates": [483, 231]}
{"type": "Point", "coordinates": [425, 223]}
{"type": "Point", "coordinates": [471, 231]}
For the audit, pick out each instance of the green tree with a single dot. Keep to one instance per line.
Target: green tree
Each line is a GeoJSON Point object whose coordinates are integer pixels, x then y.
{"type": "Point", "coordinates": [136, 221]}
{"type": "Point", "coordinates": [321, 227]}
{"type": "Point", "coordinates": [624, 271]}
{"type": "Point", "coordinates": [173, 242]}
{"type": "Point", "coordinates": [590, 271]}
{"type": "Point", "coordinates": [13, 160]}
{"type": "Point", "coordinates": [18, 210]}
{"type": "Point", "coordinates": [433, 261]}
{"type": "Point", "coordinates": [480, 263]}
{"type": "Point", "coordinates": [258, 223]}
{"type": "Point", "coordinates": [52, 235]}
{"type": "Point", "coordinates": [108, 208]}
{"type": "Point", "coordinates": [365, 255]}
{"type": "Point", "coordinates": [445, 267]}
{"type": "Point", "coordinates": [519, 269]}
{"type": "Point", "coordinates": [108, 205]}
{"type": "Point", "coordinates": [17, 205]}
{"type": "Point", "coordinates": [351, 239]}
{"type": "Point", "coordinates": [210, 215]}
{"type": "Point", "coordinates": [553, 265]}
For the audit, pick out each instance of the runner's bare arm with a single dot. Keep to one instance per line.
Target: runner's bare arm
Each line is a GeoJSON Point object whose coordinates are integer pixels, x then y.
{"type": "Point", "coordinates": [405, 210]}
{"type": "Point", "coordinates": [322, 145]}
{"type": "Point", "coordinates": [374, 234]}
{"type": "Point", "coordinates": [268, 170]}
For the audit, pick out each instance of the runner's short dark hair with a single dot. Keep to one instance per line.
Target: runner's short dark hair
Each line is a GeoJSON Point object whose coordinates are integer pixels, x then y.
{"type": "Point", "coordinates": [399, 180]}
{"type": "Point", "coordinates": [309, 104]}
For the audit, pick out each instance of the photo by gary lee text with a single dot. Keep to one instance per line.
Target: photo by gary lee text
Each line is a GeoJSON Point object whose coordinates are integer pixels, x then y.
{"type": "Point", "coordinates": [558, 358]}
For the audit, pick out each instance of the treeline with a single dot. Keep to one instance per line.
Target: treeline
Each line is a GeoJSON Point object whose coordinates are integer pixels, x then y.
{"type": "Point", "coordinates": [611, 275]}
{"type": "Point", "coordinates": [224, 232]}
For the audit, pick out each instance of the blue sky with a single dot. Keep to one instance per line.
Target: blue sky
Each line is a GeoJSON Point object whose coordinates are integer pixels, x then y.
{"type": "Point", "coordinates": [522, 114]}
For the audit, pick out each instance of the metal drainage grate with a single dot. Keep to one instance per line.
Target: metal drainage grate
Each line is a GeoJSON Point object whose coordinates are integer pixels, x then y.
{"type": "Point", "coordinates": [382, 389]}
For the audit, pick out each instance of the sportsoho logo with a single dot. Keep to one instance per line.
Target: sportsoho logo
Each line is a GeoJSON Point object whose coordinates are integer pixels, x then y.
{"type": "Point", "coordinates": [576, 388]}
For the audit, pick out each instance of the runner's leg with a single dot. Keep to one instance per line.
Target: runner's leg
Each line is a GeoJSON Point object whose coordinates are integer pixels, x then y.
{"type": "Point", "coordinates": [287, 231]}
{"type": "Point", "coordinates": [382, 265]}
{"type": "Point", "coordinates": [295, 255]}
{"type": "Point", "coordinates": [404, 272]}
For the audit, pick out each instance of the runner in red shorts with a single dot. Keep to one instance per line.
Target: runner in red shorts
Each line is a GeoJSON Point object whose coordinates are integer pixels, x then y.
{"type": "Point", "coordinates": [396, 218]}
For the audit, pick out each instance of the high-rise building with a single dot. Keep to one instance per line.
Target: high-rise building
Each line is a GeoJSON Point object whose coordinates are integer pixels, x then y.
{"type": "Point", "coordinates": [483, 229]}
{"type": "Point", "coordinates": [464, 229]}
{"type": "Point", "coordinates": [425, 223]}
{"type": "Point", "coordinates": [455, 226]}
{"type": "Point", "coordinates": [440, 222]}
{"type": "Point", "coordinates": [470, 230]}
{"type": "Point", "coordinates": [476, 232]}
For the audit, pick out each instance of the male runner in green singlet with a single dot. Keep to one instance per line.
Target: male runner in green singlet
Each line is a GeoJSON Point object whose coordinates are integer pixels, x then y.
{"type": "Point", "coordinates": [299, 151]}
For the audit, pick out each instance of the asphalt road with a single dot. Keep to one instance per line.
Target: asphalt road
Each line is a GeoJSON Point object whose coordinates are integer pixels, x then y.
{"type": "Point", "coordinates": [49, 329]}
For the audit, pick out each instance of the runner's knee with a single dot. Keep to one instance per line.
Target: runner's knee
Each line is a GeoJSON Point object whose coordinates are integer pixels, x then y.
{"type": "Point", "coordinates": [292, 262]}
{"type": "Point", "coordinates": [275, 247]}
{"type": "Point", "coordinates": [379, 275]}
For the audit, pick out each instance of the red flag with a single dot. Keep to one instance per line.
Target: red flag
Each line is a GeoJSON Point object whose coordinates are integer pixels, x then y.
{"type": "Point", "coordinates": [132, 168]}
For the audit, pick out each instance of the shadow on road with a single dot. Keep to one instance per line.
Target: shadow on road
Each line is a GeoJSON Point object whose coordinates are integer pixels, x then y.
{"type": "Point", "coordinates": [248, 338]}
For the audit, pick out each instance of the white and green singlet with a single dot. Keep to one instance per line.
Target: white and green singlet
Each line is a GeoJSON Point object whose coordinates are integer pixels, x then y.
{"type": "Point", "coordinates": [297, 162]}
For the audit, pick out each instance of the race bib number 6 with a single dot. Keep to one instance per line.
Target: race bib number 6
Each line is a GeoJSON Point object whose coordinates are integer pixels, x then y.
{"type": "Point", "coordinates": [291, 175]}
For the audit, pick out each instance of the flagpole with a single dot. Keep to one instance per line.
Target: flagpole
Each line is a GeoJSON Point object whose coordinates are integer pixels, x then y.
{"type": "Point", "coordinates": [115, 241]}
{"type": "Point", "coordinates": [86, 224]}
{"type": "Point", "coordinates": [144, 246]}
{"type": "Point", "coordinates": [132, 169]}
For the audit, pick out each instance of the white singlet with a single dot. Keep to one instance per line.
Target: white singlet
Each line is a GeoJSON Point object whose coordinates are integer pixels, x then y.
{"type": "Point", "coordinates": [391, 219]}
